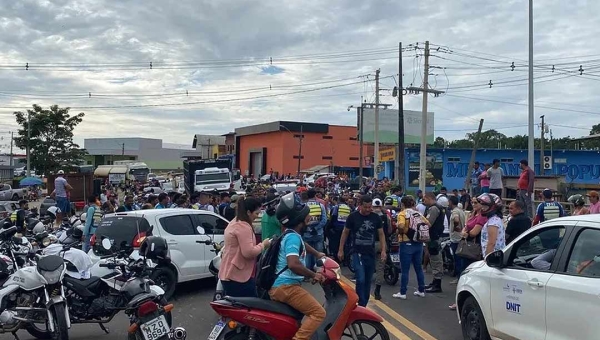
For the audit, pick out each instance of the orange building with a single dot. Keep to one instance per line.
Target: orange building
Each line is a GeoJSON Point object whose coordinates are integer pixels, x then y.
{"type": "Point", "coordinates": [275, 147]}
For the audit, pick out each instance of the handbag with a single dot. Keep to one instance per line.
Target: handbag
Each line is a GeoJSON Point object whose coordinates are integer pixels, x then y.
{"type": "Point", "coordinates": [469, 250]}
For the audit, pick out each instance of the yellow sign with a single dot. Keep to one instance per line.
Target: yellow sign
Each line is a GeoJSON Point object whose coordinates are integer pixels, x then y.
{"type": "Point", "coordinates": [387, 155]}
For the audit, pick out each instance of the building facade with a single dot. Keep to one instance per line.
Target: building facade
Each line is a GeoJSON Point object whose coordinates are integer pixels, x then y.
{"type": "Point", "coordinates": [156, 154]}
{"type": "Point", "coordinates": [279, 146]}
{"type": "Point", "coordinates": [209, 146]}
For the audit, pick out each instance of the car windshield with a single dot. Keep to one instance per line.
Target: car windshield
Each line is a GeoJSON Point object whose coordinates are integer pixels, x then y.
{"type": "Point", "coordinates": [212, 178]}
{"type": "Point", "coordinates": [167, 186]}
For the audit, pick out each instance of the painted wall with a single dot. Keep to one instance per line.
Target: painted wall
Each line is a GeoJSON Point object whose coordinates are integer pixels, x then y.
{"type": "Point", "coordinates": [451, 165]}
{"type": "Point", "coordinates": [338, 147]}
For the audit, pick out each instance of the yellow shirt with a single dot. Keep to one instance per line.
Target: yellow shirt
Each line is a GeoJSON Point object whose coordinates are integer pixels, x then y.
{"type": "Point", "coordinates": [402, 226]}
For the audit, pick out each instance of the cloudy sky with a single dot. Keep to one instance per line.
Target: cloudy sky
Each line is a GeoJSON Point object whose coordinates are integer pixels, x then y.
{"type": "Point", "coordinates": [218, 65]}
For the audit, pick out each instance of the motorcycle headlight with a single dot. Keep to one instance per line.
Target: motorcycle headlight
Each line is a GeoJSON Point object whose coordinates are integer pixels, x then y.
{"type": "Point", "coordinates": [53, 276]}
{"type": "Point", "coordinates": [46, 241]}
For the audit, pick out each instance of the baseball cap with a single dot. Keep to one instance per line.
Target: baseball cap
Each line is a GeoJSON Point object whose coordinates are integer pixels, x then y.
{"type": "Point", "coordinates": [377, 202]}
{"type": "Point", "coordinates": [547, 193]}
{"type": "Point", "coordinates": [593, 193]}
{"type": "Point", "coordinates": [60, 172]}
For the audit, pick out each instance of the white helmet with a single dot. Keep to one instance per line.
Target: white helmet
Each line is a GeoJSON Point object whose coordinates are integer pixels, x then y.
{"type": "Point", "coordinates": [53, 211]}
{"type": "Point", "coordinates": [38, 228]}
{"type": "Point", "coordinates": [83, 217]}
{"type": "Point", "coordinates": [442, 200]}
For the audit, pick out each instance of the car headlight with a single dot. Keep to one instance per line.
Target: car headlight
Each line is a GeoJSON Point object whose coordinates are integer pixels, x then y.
{"type": "Point", "coordinates": [53, 276]}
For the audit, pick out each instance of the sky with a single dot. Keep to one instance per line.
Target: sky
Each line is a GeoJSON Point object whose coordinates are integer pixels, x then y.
{"type": "Point", "coordinates": [172, 69]}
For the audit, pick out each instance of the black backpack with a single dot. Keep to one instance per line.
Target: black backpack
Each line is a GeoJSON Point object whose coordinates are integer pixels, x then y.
{"type": "Point", "coordinates": [267, 265]}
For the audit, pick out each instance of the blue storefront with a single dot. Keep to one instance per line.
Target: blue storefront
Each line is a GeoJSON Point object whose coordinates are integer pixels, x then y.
{"type": "Point", "coordinates": [450, 166]}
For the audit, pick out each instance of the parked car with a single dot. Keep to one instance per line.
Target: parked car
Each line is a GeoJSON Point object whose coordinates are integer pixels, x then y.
{"type": "Point", "coordinates": [180, 227]}
{"type": "Point", "coordinates": [7, 193]}
{"type": "Point", "coordinates": [7, 207]}
{"type": "Point", "coordinates": [516, 294]}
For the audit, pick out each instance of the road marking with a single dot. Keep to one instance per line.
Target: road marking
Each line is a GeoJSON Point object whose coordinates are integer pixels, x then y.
{"type": "Point", "coordinates": [404, 321]}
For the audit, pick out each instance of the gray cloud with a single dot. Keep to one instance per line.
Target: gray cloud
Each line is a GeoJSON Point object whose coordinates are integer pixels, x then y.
{"type": "Point", "coordinates": [84, 32]}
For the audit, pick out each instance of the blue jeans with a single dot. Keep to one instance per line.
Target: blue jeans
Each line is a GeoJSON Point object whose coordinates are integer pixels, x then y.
{"type": "Point", "coordinates": [411, 252]}
{"type": "Point", "coordinates": [311, 261]}
{"type": "Point", "coordinates": [240, 289]}
{"type": "Point", "coordinates": [364, 268]}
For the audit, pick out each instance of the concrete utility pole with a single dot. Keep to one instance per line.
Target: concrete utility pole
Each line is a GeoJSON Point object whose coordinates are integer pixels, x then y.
{"type": "Point", "coordinates": [123, 149]}
{"type": "Point", "coordinates": [542, 170]}
{"type": "Point", "coordinates": [472, 160]}
{"type": "Point", "coordinates": [376, 136]}
{"type": "Point", "coordinates": [300, 149]}
{"type": "Point", "coordinates": [399, 171]}
{"type": "Point", "coordinates": [28, 139]}
{"type": "Point", "coordinates": [530, 144]}
{"type": "Point", "coordinates": [361, 141]}
{"type": "Point", "coordinates": [11, 149]}
{"type": "Point", "coordinates": [423, 154]}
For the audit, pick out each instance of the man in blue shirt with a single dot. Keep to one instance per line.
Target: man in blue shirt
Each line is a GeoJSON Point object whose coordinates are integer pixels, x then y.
{"type": "Point", "coordinates": [163, 201]}
{"type": "Point", "coordinates": [287, 288]}
{"type": "Point", "coordinates": [549, 209]}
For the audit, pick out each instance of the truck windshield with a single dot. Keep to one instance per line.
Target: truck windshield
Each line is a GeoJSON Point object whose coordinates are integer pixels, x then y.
{"type": "Point", "coordinates": [213, 178]}
{"type": "Point", "coordinates": [140, 174]}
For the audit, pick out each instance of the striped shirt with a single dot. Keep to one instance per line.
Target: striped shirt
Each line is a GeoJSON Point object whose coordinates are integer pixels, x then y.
{"type": "Point", "coordinates": [549, 210]}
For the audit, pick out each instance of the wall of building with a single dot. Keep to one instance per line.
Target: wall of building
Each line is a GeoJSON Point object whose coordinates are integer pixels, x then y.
{"type": "Point", "coordinates": [272, 141]}
{"type": "Point", "coordinates": [451, 166]}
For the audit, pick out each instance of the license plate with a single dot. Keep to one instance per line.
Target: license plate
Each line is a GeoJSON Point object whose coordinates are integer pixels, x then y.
{"type": "Point", "coordinates": [395, 258]}
{"type": "Point", "coordinates": [155, 329]}
{"type": "Point", "coordinates": [217, 330]}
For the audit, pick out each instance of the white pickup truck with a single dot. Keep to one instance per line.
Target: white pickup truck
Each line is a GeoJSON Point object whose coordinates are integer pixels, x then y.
{"type": "Point", "coordinates": [7, 193]}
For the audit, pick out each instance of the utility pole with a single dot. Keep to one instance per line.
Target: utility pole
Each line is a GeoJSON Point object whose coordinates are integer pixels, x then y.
{"type": "Point", "coordinates": [426, 90]}
{"type": "Point", "coordinates": [542, 170]}
{"type": "Point", "coordinates": [123, 149]}
{"type": "Point", "coordinates": [11, 149]}
{"type": "Point", "coordinates": [300, 149]}
{"type": "Point", "coordinates": [28, 140]}
{"type": "Point", "coordinates": [423, 154]}
{"type": "Point", "coordinates": [361, 142]}
{"type": "Point", "coordinates": [472, 160]}
{"type": "Point", "coordinates": [376, 137]}
{"type": "Point", "coordinates": [530, 144]}
{"type": "Point", "coordinates": [400, 151]}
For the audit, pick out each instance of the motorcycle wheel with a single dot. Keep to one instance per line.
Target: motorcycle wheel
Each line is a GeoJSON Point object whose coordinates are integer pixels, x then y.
{"type": "Point", "coordinates": [166, 279]}
{"type": "Point", "coordinates": [391, 274]}
{"type": "Point", "coordinates": [360, 326]}
{"type": "Point", "coordinates": [61, 331]}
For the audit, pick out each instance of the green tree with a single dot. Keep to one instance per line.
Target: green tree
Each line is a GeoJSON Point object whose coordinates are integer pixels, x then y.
{"type": "Point", "coordinates": [51, 141]}
{"type": "Point", "coordinates": [593, 143]}
{"type": "Point", "coordinates": [439, 142]}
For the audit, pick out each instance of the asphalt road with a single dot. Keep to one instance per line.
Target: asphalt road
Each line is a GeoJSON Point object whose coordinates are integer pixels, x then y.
{"type": "Point", "coordinates": [415, 318]}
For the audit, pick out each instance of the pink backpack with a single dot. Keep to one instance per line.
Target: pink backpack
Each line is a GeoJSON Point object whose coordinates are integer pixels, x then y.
{"type": "Point", "coordinates": [418, 229]}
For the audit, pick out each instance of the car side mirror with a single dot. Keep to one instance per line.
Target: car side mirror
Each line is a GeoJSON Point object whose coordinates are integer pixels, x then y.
{"type": "Point", "coordinates": [201, 230]}
{"type": "Point", "coordinates": [495, 259]}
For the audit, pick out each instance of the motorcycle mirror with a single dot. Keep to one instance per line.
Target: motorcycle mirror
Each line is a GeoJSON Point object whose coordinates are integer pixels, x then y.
{"type": "Point", "coordinates": [106, 244]}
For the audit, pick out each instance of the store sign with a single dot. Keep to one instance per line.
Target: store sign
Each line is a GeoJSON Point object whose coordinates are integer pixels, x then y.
{"type": "Point", "coordinates": [388, 154]}
{"type": "Point", "coordinates": [116, 178]}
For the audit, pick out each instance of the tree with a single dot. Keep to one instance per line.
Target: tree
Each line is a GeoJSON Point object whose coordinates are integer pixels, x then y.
{"type": "Point", "coordinates": [51, 142]}
{"type": "Point", "coordinates": [439, 142]}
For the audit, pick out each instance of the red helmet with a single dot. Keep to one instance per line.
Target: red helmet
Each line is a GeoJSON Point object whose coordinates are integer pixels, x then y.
{"type": "Point", "coordinates": [490, 202]}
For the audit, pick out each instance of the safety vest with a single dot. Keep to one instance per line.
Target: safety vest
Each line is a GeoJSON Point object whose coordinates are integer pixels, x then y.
{"type": "Point", "coordinates": [343, 213]}
{"type": "Point", "coordinates": [315, 212]}
{"type": "Point", "coordinates": [395, 201]}
{"type": "Point", "coordinates": [13, 216]}
{"type": "Point", "coordinates": [97, 217]}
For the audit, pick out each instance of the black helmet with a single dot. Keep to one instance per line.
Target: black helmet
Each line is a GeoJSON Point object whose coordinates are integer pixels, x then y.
{"type": "Point", "coordinates": [154, 248]}
{"type": "Point", "coordinates": [577, 200]}
{"type": "Point", "coordinates": [291, 211]}
{"type": "Point", "coordinates": [77, 233]}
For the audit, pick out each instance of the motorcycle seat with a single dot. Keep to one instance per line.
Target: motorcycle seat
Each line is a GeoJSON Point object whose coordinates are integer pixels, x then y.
{"type": "Point", "coordinates": [266, 305]}
{"type": "Point", "coordinates": [85, 283]}
{"type": "Point", "coordinates": [50, 263]}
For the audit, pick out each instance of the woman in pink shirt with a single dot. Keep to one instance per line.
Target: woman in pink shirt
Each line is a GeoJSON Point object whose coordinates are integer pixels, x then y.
{"type": "Point", "coordinates": [240, 251]}
{"type": "Point", "coordinates": [594, 202]}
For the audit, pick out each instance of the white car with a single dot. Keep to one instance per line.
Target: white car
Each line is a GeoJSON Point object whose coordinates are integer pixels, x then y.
{"type": "Point", "coordinates": [182, 228]}
{"type": "Point", "coordinates": [515, 294]}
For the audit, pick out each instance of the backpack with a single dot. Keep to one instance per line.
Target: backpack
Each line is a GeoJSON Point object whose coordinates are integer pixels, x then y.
{"type": "Point", "coordinates": [418, 230]}
{"type": "Point", "coordinates": [266, 273]}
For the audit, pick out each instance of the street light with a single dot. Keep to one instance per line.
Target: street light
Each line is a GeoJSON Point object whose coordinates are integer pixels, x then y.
{"type": "Point", "coordinates": [299, 146]}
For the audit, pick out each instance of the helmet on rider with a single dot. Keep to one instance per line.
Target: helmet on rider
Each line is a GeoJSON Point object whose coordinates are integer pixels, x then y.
{"type": "Point", "coordinates": [291, 211]}
{"type": "Point", "coordinates": [489, 202]}
{"type": "Point", "coordinates": [577, 200]}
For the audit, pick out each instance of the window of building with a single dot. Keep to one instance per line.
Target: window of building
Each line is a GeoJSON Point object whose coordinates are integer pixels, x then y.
{"type": "Point", "coordinates": [353, 158]}
{"type": "Point", "coordinates": [299, 136]}
{"type": "Point", "coordinates": [327, 137]}
{"type": "Point", "coordinates": [353, 138]}
{"type": "Point", "coordinates": [453, 159]}
{"type": "Point", "coordinates": [327, 157]}
{"type": "Point", "coordinates": [506, 160]}
{"type": "Point", "coordinates": [296, 157]}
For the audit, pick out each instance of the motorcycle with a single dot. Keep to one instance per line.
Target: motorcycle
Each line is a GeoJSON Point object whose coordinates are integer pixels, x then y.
{"type": "Point", "coordinates": [447, 256]}
{"type": "Point", "coordinates": [214, 266]}
{"type": "Point", "coordinates": [392, 270]}
{"type": "Point", "coordinates": [34, 295]}
{"type": "Point", "coordinates": [256, 318]}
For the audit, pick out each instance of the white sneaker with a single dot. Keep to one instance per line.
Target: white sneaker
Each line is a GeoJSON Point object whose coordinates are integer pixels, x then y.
{"type": "Point", "coordinates": [399, 296]}
{"type": "Point", "coordinates": [417, 293]}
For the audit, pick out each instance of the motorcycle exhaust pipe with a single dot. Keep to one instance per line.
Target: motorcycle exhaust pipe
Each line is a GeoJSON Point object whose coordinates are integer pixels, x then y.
{"type": "Point", "coordinates": [179, 333]}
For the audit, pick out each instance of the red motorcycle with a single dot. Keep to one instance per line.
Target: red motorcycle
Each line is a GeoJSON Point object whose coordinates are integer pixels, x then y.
{"type": "Point", "coordinates": [260, 319]}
